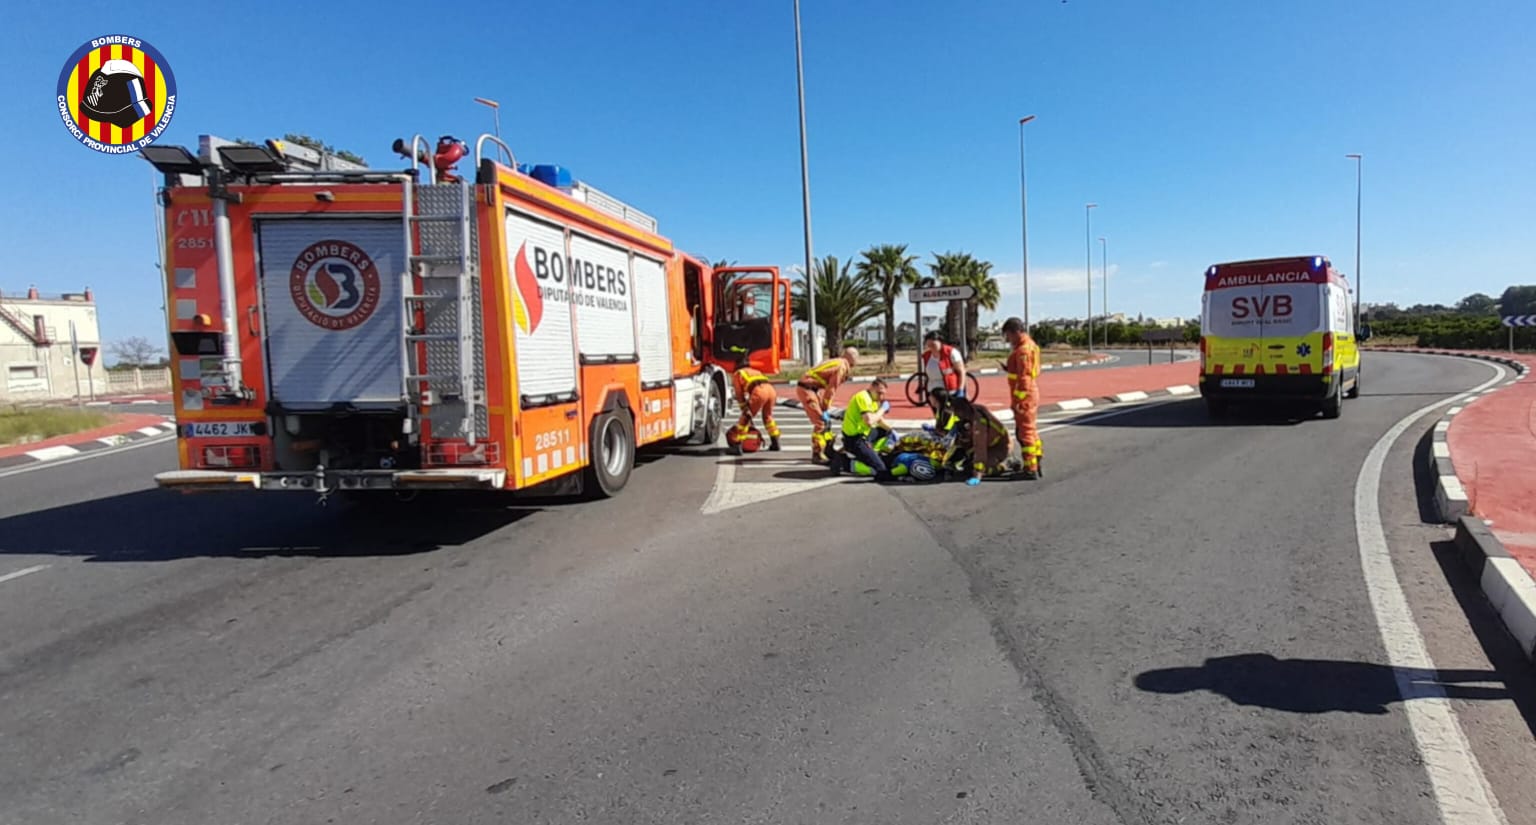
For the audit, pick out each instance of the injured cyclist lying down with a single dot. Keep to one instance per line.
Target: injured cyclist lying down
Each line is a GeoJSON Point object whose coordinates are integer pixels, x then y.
{"type": "Point", "coordinates": [967, 442]}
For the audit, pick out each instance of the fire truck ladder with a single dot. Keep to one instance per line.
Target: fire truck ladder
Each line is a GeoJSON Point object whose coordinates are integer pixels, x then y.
{"type": "Point", "coordinates": [441, 320]}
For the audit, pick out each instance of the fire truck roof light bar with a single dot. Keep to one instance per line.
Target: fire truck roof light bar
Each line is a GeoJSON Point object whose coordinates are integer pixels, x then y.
{"type": "Point", "coordinates": [172, 160]}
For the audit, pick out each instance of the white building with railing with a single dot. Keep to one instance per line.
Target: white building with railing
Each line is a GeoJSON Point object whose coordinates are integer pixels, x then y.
{"type": "Point", "coordinates": [37, 356]}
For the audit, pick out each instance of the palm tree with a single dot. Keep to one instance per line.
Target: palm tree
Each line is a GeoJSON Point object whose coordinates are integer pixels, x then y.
{"type": "Point", "coordinates": [890, 268]}
{"type": "Point", "coordinates": [844, 300]}
{"type": "Point", "coordinates": [960, 268]}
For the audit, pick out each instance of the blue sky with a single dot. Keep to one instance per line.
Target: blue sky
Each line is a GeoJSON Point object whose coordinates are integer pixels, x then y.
{"type": "Point", "coordinates": [1206, 130]}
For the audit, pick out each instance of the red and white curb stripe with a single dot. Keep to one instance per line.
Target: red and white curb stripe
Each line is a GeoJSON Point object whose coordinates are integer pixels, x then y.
{"type": "Point", "coordinates": [61, 451]}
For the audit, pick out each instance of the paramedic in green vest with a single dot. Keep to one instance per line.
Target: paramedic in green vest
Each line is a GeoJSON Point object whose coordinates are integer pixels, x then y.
{"type": "Point", "coordinates": [860, 420]}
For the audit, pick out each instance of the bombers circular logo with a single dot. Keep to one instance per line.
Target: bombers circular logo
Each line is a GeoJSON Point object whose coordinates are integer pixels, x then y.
{"type": "Point", "coordinates": [334, 284]}
{"type": "Point", "coordinates": [116, 94]}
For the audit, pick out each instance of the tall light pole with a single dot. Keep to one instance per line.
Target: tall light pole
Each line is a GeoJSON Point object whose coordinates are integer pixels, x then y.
{"type": "Point", "coordinates": [1359, 304]}
{"type": "Point", "coordinates": [805, 197]}
{"type": "Point", "coordinates": [495, 111]}
{"type": "Point", "coordinates": [1024, 217]}
{"type": "Point", "coordinates": [1088, 239]}
{"type": "Point", "coordinates": [1104, 244]}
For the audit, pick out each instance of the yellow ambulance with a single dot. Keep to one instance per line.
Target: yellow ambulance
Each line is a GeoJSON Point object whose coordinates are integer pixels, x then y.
{"type": "Point", "coordinates": [1278, 330]}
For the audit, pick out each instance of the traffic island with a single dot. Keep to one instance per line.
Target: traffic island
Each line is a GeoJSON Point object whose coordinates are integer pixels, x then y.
{"type": "Point", "coordinates": [1483, 455]}
{"type": "Point", "coordinates": [118, 430]}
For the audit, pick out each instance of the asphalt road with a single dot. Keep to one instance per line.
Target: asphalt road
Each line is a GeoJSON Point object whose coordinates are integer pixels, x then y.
{"type": "Point", "coordinates": [1174, 626]}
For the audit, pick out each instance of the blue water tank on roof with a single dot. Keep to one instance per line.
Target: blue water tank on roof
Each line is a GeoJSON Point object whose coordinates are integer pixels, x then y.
{"type": "Point", "coordinates": [552, 175]}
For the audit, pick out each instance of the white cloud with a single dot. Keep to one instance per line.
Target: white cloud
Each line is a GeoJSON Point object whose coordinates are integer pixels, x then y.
{"type": "Point", "coordinates": [1159, 264]}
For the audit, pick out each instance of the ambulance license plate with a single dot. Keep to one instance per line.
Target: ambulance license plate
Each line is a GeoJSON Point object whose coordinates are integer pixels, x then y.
{"type": "Point", "coordinates": [219, 429]}
{"type": "Point", "coordinates": [1237, 382]}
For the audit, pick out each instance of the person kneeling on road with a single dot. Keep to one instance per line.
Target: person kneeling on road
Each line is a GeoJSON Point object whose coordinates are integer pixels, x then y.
{"type": "Point", "coordinates": [860, 420]}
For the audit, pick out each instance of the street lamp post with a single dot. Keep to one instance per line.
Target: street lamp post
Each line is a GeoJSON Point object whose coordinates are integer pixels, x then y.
{"type": "Point", "coordinates": [495, 112]}
{"type": "Point", "coordinates": [1088, 238]}
{"type": "Point", "coordinates": [805, 197]}
{"type": "Point", "coordinates": [1024, 217]}
{"type": "Point", "coordinates": [1104, 244]}
{"type": "Point", "coordinates": [1359, 303]}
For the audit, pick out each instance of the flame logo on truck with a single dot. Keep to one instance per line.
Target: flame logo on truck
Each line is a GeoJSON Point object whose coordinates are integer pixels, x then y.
{"type": "Point", "coordinates": [334, 285]}
{"type": "Point", "coordinates": [527, 301]}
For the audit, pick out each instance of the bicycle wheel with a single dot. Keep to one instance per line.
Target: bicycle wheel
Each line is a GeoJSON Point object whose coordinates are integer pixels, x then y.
{"type": "Point", "coordinates": [917, 390]}
{"type": "Point", "coordinates": [972, 386]}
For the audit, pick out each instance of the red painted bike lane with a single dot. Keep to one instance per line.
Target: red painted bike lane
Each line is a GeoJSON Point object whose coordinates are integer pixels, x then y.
{"type": "Point", "coordinates": [1493, 445]}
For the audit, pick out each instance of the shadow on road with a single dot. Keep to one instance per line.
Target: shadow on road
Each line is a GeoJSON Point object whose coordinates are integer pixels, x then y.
{"type": "Point", "coordinates": [1319, 685]}
{"type": "Point", "coordinates": [1191, 413]}
{"type": "Point", "coordinates": [161, 525]}
{"type": "Point", "coordinates": [1498, 645]}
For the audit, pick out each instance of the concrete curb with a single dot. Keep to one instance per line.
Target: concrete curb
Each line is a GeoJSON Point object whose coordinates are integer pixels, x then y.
{"type": "Point", "coordinates": [1078, 404]}
{"type": "Point", "coordinates": [86, 446]}
{"type": "Point", "coordinates": [1510, 589]}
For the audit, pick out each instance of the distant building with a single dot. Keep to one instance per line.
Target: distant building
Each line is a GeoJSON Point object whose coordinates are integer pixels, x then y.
{"type": "Point", "coordinates": [36, 358]}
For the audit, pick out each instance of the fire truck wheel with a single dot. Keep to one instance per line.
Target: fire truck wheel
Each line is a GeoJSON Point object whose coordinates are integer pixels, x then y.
{"type": "Point", "coordinates": [613, 454]}
{"type": "Point", "coordinates": [714, 415]}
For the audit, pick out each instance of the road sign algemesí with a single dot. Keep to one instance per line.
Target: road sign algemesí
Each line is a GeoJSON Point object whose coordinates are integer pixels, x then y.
{"type": "Point", "coordinates": [920, 295]}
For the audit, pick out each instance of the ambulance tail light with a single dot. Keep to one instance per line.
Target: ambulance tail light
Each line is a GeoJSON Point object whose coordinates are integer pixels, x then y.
{"type": "Point", "coordinates": [1327, 353]}
{"type": "Point", "coordinates": [1205, 351]}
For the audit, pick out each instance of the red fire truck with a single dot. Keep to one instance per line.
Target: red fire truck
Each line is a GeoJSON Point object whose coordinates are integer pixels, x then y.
{"type": "Point", "coordinates": [336, 328]}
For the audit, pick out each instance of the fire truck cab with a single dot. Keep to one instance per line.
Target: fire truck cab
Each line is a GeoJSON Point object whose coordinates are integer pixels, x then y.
{"type": "Point", "coordinates": [339, 328]}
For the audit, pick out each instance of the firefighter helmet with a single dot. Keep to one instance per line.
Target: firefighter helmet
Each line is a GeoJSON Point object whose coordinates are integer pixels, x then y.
{"type": "Point", "coordinates": [115, 94]}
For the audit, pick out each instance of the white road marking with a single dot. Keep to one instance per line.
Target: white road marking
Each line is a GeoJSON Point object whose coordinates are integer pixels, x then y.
{"type": "Point", "coordinates": [1461, 790]}
{"type": "Point", "coordinates": [1138, 395]}
{"type": "Point", "coordinates": [1075, 404]}
{"type": "Point", "coordinates": [1182, 389]}
{"type": "Point", "coordinates": [19, 573]}
{"type": "Point", "coordinates": [150, 431]}
{"type": "Point", "coordinates": [53, 453]}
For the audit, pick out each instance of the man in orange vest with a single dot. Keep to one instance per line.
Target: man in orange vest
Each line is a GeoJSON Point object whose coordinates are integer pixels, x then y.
{"type": "Point", "coordinates": [945, 370]}
{"type": "Point", "coordinates": [756, 396]}
{"type": "Point", "coordinates": [815, 390]}
{"type": "Point", "coordinates": [1023, 367]}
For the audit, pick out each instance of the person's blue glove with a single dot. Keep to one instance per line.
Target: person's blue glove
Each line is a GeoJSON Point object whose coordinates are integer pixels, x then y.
{"type": "Point", "coordinates": [960, 393]}
{"type": "Point", "coordinates": [972, 481]}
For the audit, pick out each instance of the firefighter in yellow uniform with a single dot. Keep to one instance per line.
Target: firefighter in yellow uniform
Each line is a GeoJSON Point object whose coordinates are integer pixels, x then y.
{"type": "Point", "coordinates": [1023, 367]}
{"type": "Point", "coordinates": [756, 396]}
{"type": "Point", "coordinates": [816, 389]}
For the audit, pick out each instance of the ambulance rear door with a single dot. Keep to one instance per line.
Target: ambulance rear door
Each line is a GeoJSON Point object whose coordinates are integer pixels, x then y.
{"type": "Point", "coordinates": [1291, 320]}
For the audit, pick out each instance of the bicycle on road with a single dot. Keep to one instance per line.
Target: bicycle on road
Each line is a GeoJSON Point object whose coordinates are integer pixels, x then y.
{"type": "Point", "coordinates": [917, 388]}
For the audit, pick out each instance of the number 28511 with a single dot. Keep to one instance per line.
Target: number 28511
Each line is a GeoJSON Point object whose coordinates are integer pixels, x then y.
{"type": "Point", "coordinates": [544, 441]}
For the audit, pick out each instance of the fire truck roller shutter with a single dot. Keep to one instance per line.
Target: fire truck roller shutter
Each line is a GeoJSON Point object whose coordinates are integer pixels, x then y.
{"type": "Point", "coordinates": [604, 294]}
{"type": "Point", "coordinates": [650, 294]}
{"type": "Point", "coordinates": [541, 309]}
{"type": "Point", "coordinates": [331, 293]}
